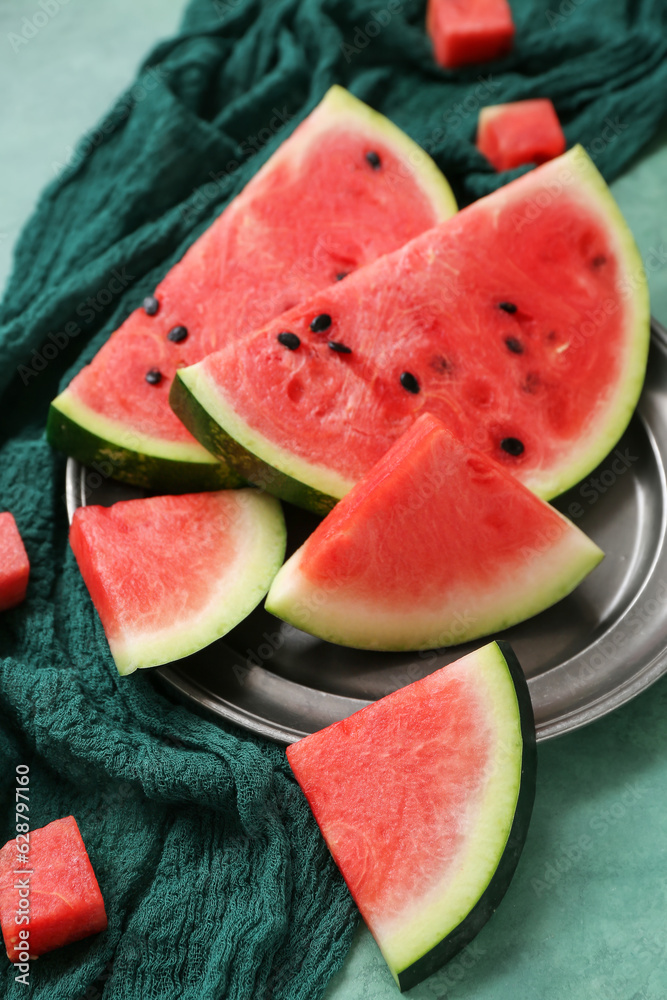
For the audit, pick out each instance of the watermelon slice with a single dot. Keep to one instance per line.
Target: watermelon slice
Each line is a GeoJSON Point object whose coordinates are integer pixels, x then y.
{"type": "Point", "coordinates": [49, 895]}
{"type": "Point", "coordinates": [14, 565]}
{"type": "Point", "coordinates": [469, 31]}
{"type": "Point", "coordinates": [509, 135]}
{"type": "Point", "coordinates": [169, 575]}
{"type": "Point", "coordinates": [424, 799]}
{"type": "Point", "coordinates": [436, 546]}
{"type": "Point", "coordinates": [523, 322]}
{"type": "Point", "coordinates": [347, 186]}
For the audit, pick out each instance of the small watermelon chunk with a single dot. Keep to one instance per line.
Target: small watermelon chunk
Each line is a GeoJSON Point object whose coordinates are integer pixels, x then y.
{"type": "Point", "coordinates": [169, 575]}
{"type": "Point", "coordinates": [14, 564]}
{"type": "Point", "coordinates": [437, 545]}
{"type": "Point", "coordinates": [64, 902]}
{"type": "Point", "coordinates": [469, 31]}
{"type": "Point", "coordinates": [344, 188]}
{"type": "Point", "coordinates": [523, 323]}
{"type": "Point", "coordinates": [424, 799]}
{"type": "Point", "coordinates": [509, 135]}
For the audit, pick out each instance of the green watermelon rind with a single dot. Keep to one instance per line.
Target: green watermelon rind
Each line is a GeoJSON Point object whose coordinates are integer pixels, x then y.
{"type": "Point", "coordinates": [435, 951]}
{"type": "Point", "coordinates": [160, 464]}
{"type": "Point", "coordinates": [202, 410]}
{"type": "Point", "coordinates": [319, 485]}
{"type": "Point", "coordinates": [257, 564]}
{"type": "Point", "coordinates": [73, 429]}
{"type": "Point", "coordinates": [635, 290]}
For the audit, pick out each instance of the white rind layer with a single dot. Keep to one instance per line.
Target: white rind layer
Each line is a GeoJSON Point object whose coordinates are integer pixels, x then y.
{"type": "Point", "coordinates": [124, 436]}
{"type": "Point", "coordinates": [487, 823]}
{"type": "Point", "coordinates": [338, 614]}
{"type": "Point", "coordinates": [233, 596]}
{"type": "Point", "coordinates": [208, 394]}
{"type": "Point", "coordinates": [575, 174]}
{"type": "Point", "coordinates": [337, 107]}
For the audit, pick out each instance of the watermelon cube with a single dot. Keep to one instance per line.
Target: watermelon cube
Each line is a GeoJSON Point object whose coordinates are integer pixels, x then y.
{"type": "Point", "coordinates": [509, 135]}
{"type": "Point", "coordinates": [469, 31]}
{"type": "Point", "coordinates": [52, 898]}
{"type": "Point", "coordinates": [14, 565]}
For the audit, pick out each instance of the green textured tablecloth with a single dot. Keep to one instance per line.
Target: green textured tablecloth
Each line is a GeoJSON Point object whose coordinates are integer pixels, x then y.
{"type": "Point", "coordinates": [587, 912]}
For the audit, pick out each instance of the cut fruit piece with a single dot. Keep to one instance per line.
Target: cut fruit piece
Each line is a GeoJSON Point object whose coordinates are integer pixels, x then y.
{"type": "Point", "coordinates": [509, 135]}
{"type": "Point", "coordinates": [55, 877]}
{"type": "Point", "coordinates": [169, 575]}
{"type": "Point", "coordinates": [14, 564]}
{"type": "Point", "coordinates": [437, 545]}
{"type": "Point", "coordinates": [465, 32]}
{"type": "Point", "coordinates": [523, 322]}
{"type": "Point", "coordinates": [346, 187]}
{"type": "Point", "coordinates": [424, 799]}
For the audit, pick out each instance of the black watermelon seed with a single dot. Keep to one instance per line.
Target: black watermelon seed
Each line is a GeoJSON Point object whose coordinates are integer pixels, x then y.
{"type": "Point", "coordinates": [439, 364]}
{"type": "Point", "coordinates": [288, 340]}
{"type": "Point", "coordinates": [151, 305]}
{"type": "Point", "coordinates": [515, 346]}
{"type": "Point", "coordinates": [374, 159]}
{"type": "Point", "coordinates": [599, 260]}
{"type": "Point", "coordinates": [321, 323]}
{"type": "Point", "coordinates": [339, 348]}
{"type": "Point", "coordinates": [341, 275]}
{"type": "Point", "coordinates": [507, 307]}
{"type": "Point", "coordinates": [512, 446]}
{"type": "Point", "coordinates": [409, 382]}
{"type": "Point", "coordinates": [154, 376]}
{"type": "Point", "coordinates": [177, 334]}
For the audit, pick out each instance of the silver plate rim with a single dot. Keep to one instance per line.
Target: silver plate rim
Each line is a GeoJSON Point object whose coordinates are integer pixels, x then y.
{"type": "Point", "coordinates": [196, 695]}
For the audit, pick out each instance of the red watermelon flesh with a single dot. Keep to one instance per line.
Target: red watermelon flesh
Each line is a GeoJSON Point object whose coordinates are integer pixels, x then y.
{"type": "Point", "coordinates": [469, 31]}
{"type": "Point", "coordinates": [510, 135]}
{"type": "Point", "coordinates": [169, 575]}
{"type": "Point", "coordinates": [424, 799]}
{"type": "Point", "coordinates": [14, 565]}
{"type": "Point", "coordinates": [523, 323]}
{"type": "Point", "coordinates": [437, 545]}
{"type": "Point", "coordinates": [346, 187]}
{"type": "Point", "coordinates": [65, 902]}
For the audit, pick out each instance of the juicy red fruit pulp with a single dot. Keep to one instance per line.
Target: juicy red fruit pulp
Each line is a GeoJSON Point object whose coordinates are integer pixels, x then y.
{"type": "Point", "coordinates": [238, 275]}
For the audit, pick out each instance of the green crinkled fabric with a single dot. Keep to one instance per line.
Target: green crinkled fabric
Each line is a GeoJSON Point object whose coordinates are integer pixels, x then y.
{"type": "Point", "coordinates": [216, 881]}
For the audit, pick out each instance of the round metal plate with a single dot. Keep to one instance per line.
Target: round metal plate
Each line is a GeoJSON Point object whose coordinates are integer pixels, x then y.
{"type": "Point", "coordinates": [590, 653]}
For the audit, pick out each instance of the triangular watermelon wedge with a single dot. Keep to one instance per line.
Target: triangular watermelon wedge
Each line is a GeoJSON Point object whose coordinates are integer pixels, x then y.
{"type": "Point", "coordinates": [436, 546]}
{"type": "Point", "coordinates": [424, 799]}
{"type": "Point", "coordinates": [169, 575]}
{"type": "Point", "coordinates": [344, 188]}
{"type": "Point", "coordinates": [523, 322]}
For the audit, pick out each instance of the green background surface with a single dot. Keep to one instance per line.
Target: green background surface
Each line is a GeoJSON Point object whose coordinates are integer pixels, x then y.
{"type": "Point", "coordinates": [587, 912]}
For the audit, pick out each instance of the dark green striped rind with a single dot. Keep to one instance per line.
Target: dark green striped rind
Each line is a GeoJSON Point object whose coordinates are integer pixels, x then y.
{"type": "Point", "coordinates": [488, 903]}
{"type": "Point", "coordinates": [227, 450]}
{"type": "Point", "coordinates": [147, 471]}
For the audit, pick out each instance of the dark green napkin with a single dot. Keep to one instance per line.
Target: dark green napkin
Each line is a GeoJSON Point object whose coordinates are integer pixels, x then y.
{"type": "Point", "coordinates": [216, 881]}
